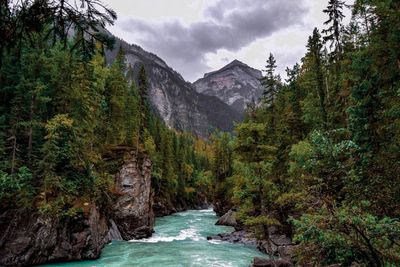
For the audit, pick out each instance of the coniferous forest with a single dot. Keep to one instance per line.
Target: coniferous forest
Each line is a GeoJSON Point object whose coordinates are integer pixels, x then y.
{"type": "Point", "coordinates": [64, 112]}
{"type": "Point", "coordinates": [317, 158]}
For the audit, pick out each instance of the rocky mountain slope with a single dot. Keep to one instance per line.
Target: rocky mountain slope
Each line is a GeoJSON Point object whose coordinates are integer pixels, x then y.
{"type": "Point", "coordinates": [174, 99]}
{"type": "Point", "coordinates": [235, 84]}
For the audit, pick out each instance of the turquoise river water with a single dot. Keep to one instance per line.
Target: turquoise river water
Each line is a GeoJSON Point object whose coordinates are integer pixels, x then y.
{"type": "Point", "coordinates": [179, 240]}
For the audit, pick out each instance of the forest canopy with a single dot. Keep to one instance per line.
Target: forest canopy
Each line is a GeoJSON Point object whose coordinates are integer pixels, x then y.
{"type": "Point", "coordinates": [319, 158]}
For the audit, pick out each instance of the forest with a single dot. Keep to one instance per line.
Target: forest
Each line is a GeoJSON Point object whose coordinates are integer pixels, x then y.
{"type": "Point", "coordinates": [63, 112]}
{"type": "Point", "coordinates": [318, 157]}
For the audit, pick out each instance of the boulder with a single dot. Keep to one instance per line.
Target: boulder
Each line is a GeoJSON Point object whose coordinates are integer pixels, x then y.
{"type": "Point", "coordinates": [241, 236]}
{"type": "Point", "coordinates": [260, 262]}
{"type": "Point", "coordinates": [277, 244]}
{"type": "Point", "coordinates": [228, 219]}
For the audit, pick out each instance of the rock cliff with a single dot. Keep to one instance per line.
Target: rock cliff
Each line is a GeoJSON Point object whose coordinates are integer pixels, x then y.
{"type": "Point", "coordinates": [176, 101]}
{"type": "Point", "coordinates": [133, 211]}
{"type": "Point", "coordinates": [236, 84]}
{"type": "Point", "coordinates": [29, 238]}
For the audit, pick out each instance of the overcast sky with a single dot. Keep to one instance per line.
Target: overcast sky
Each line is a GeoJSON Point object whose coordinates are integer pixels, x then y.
{"type": "Point", "coordinates": [199, 36]}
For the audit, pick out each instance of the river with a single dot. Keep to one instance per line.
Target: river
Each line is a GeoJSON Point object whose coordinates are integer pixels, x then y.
{"type": "Point", "coordinates": [179, 240]}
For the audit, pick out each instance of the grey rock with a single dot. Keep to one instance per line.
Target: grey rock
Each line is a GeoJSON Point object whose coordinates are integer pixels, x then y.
{"type": "Point", "coordinates": [241, 236]}
{"type": "Point", "coordinates": [236, 84]}
{"type": "Point", "coordinates": [36, 239]}
{"type": "Point", "coordinates": [277, 245]}
{"type": "Point", "coordinates": [260, 262]}
{"type": "Point", "coordinates": [114, 233]}
{"type": "Point", "coordinates": [133, 212]}
{"type": "Point", "coordinates": [228, 219]}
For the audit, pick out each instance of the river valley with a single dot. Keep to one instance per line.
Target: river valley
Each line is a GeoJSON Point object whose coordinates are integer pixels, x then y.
{"type": "Point", "coordinates": [179, 240]}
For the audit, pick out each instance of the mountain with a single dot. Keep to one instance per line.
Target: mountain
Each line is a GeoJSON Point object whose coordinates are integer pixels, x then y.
{"type": "Point", "coordinates": [235, 84]}
{"type": "Point", "coordinates": [176, 101]}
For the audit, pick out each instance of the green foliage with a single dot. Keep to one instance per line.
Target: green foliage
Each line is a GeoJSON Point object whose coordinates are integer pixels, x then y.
{"type": "Point", "coordinates": [63, 114]}
{"type": "Point", "coordinates": [17, 186]}
{"type": "Point", "coordinates": [321, 163]}
{"type": "Point", "coordinates": [347, 234]}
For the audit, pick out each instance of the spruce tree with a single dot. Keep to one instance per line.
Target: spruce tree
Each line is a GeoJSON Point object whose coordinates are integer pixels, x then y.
{"type": "Point", "coordinates": [116, 93]}
{"type": "Point", "coordinates": [143, 99]}
{"type": "Point", "coordinates": [269, 81]}
{"type": "Point", "coordinates": [333, 33]}
{"type": "Point", "coordinates": [314, 47]}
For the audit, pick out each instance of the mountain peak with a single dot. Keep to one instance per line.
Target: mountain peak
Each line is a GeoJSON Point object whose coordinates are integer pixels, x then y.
{"type": "Point", "coordinates": [235, 63]}
{"type": "Point", "coordinates": [236, 84]}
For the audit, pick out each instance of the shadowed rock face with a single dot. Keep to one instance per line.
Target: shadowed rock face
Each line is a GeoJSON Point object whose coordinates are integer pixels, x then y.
{"type": "Point", "coordinates": [176, 101]}
{"type": "Point", "coordinates": [236, 84]}
{"type": "Point", "coordinates": [30, 239]}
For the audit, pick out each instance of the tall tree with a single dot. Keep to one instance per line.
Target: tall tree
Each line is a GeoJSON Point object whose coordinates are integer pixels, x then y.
{"type": "Point", "coordinates": [314, 47]}
{"type": "Point", "coordinates": [334, 10]}
{"type": "Point", "coordinates": [116, 93]}
{"type": "Point", "coordinates": [143, 100]}
{"type": "Point", "coordinates": [269, 81]}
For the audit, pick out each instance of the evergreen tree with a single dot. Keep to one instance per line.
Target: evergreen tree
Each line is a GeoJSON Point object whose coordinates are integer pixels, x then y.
{"type": "Point", "coordinates": [116, 93]}
{"type": "Point", "coordinates": [143, 100]}
{"type": "Point", "coordinates": [314, 47]}
{"type": "Point", "coordinates": [269, 81]}
{"type": "Point", "coordinates": [333, 34]}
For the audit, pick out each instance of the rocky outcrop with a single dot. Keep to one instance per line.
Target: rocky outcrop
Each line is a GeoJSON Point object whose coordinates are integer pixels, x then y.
{"type": "Point", "coordinates": [259, 262]}
{"type": "Point", "coordinates": [221, 205]}
{"type": "Point", "coordinates": [113, 232]}
{"type": "Point", "coordinates": [31, 239]}
{"type": "Point", "coordinates": [228, 219]}
{"type": "Point", "coordinates": [162, 209]}
{"type": "Point", "coordinates": [236, 84]}
{"type": "Point", "coordinates": [176, 101]}
{"type": "Point", "coordinates": [133, 212]}
{"type": "Point", "coordinates": [242, 237]}
{"type": "Point", "coordinates": [277, 244]}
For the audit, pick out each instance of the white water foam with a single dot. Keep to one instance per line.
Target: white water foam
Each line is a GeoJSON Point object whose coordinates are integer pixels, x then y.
{"type": "Point", "coordinates": [207, 210]}
{"type": "Point", "coordinates": [210, 261]}
{"type": "Point", "coordinates": [189, 233]}
{"type": "Point", "coordinates": [216, 242]}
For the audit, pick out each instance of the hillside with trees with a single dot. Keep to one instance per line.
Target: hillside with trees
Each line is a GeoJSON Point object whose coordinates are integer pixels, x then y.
{"type": "Point", "coordinates": [319, 158]}
{"type": "Point", "coordinates": [64, 111]}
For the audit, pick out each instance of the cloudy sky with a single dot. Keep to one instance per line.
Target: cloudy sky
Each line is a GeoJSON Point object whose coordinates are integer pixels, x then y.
{"type": "Point", "coordinates": [198, 36]}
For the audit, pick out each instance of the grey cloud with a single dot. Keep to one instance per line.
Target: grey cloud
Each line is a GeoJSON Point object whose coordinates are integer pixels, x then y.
{"type": "Point", "coordinates": [230, 25]}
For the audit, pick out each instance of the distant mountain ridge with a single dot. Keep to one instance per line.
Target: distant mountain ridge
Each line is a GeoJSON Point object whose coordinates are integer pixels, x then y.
{"type": "Point", "coordinates": [236, 84]}
{"type": "Point", "coordinates": [176, 101]}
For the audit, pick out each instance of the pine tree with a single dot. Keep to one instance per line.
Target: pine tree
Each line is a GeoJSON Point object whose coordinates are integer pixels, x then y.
{"type": "Point", "coordinates": [333, 33]}
{"type": "Point", "coordinates": [143, 100]}
{"type": "Point", "coordinates": [297, 127]}
{"type": "Point", "coordinates": [116, 93]}
{"type": "Point", "coordinates": [269, 81]}
{"type": "Point", "coordinates": [314, 47]}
